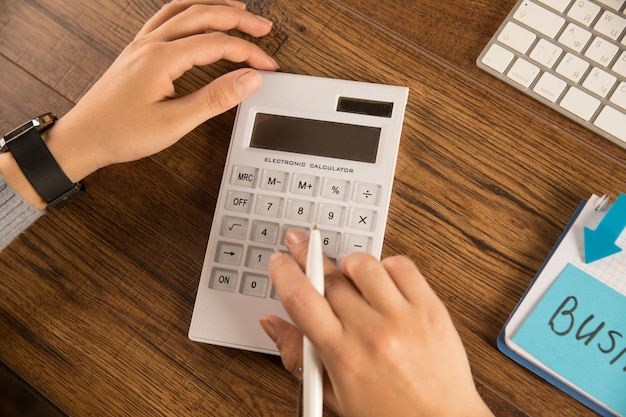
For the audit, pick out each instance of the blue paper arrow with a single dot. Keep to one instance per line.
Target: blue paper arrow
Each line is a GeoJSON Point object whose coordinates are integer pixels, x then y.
{"type": "Point", "coordinates": [600, 243]}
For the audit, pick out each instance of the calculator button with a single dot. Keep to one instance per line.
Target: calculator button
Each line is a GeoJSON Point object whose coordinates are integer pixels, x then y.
{"type": "Point", "coordinates": [239, 201]}
{"type": "Point", "coordinates": [254, 285]}
{"type": "Point", "coordinates": [269, 206]}
{"type": "Point", "coordinates": [361, 219]}
{"type": "Point", "coordinates": [274, 294]}
{"type": "Point", "coordinates": [229, 253]}
{"type": "Point", "coordinates": [273, 180]}
{"type": "Point", "coordinates": [243, 176]}
{"type": "Point", "coordinates": [304, 230]}
{"type": "Point", "coordinates": [330, 214]}
{"type": "Point", "coordinates": [299, 210]}
{"type": "Point", "coordinates": [234, 227]}
{"type": "Point", "coordinates": [366, 193]}
{"type": "Point", "coordinates": [304, 184]}
{"type": "Point", "coordinates": [330, 241]}
{"type": "Point", "coordinates": [264, 232]}
{"type": "Point", "coordinates": [334, 189]}
{"type": "Point", "coordinates": [357, 243]}
{"type": "Point", "coordinates": [223, 280]}
{"type": "Point", "coordinates": [258, 258]}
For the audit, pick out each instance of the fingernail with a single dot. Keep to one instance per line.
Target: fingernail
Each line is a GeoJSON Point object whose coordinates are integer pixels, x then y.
{"type": "Point", "coordinates": [295, 236]}
{"type": "Point", "coordinates": [269, 22]}
{"type": "Point", "coordinates": [248, 83]}
{"type": "Point", "coordinates": [268, 327]}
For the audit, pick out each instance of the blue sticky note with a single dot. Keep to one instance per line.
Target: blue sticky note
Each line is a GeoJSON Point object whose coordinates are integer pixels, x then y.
{"type": "Point", "coordinates": [578, 330]}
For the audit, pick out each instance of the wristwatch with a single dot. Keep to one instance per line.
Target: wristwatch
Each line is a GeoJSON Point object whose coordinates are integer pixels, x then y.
{"type": "Point", "coordinates": [37, 163]}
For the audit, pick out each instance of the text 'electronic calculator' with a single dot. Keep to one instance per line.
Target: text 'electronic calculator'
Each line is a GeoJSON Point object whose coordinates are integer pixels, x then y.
{"type": "Point", "coordinates": [304, 151]}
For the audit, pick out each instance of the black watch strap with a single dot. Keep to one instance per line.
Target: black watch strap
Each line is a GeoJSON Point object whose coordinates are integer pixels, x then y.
{"type": "Point", "coordinates": [42, 170]}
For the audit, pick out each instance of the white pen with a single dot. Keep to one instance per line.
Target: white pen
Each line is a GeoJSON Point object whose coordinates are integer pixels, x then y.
{"type": "Point", "coordinates": [312, 371]}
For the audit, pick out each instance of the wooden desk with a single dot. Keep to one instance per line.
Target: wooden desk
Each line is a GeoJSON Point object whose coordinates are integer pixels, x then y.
{"type": "Point", "coordinates": [97, 298]}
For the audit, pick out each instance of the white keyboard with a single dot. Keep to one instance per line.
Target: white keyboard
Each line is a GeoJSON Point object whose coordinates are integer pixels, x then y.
{"type": "Point", "coordinates": [568, 54]}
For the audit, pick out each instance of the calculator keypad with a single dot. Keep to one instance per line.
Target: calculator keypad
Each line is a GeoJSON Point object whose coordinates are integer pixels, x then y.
{"type": "Point", "coordinates": [344, 211]}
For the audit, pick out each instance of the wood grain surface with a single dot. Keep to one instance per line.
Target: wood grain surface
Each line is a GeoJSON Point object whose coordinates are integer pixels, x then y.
{"type": "Point", "coordinates": [96, 299]}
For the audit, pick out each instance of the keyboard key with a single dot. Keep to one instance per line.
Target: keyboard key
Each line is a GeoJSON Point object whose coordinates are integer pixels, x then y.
{"type": "Point", "coordinates": [580, 103]}
{"type": "Point", "coordinates": [523, 72]}
{"type": "Point", "coordinates": [572, 67]}
{"type": "Point", "coordinates": [620, 64]}
{"type": "Point", "coordinates": [612, 121]}
{"type": "Point", "coordinates": [599, 82]}
{"type": "Point", "coordinates": [558, 5]}
{"type": "Point", "coordinates": [611, 25]}
{"type": "Point", "coordinates": [619, 96]}
{"type": "Point", "coordinates": [498, 58]}
{"type": "Point", "coordinates": [254, 285]}
{"type": "Point", "coordinates": [546, 53]}
{"type": "Point", "coordinates": [613, 4]}
{"type": "Point", "coordinates": [575, 37]}
{"type": "Point", "coordinates": [539, 18]}
{"type": "Point", "coordinates": [584, 12]}
{"type": "Point", "coordinates": [517, 37]}
{"type": "Point", "coordinates": [602, 51]}
{"type": "Point", "coordinates": [550, 87]}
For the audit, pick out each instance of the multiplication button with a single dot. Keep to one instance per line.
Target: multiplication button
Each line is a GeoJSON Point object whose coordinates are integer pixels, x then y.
{"type": "Point", "coordinates": [362, 219]}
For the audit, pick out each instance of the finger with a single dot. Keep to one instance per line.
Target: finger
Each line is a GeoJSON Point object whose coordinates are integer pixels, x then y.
{"type": "Point", "coordinates": [201, 18]}
{"type": "Point", "coordinates": [371, 278]}
{"type": "Point", "coordinates": [225, 92]}
{"type": "Point", "coordinates": [173, 8]}
{"type": "Point", "coordinates": [343, 297]}
{"type": "Point", "coordinates": [288, 340]}
{"type": "Point", "coordinates": [310, 312]}
{"type": "Point", "coordinates": [184, 54]}
{"type": "Point", "coordinates": [408, 279]}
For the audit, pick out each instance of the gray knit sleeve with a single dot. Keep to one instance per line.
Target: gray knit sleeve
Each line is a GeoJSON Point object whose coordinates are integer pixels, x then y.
{"type": "Point", "coordinates": [15, 214]}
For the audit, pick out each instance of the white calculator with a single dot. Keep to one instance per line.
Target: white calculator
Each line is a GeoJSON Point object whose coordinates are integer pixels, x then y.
{"type": "Point", "coordinates": [304, 151]}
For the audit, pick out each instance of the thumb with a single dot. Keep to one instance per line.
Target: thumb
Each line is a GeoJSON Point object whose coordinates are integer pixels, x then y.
{"type": "Point", "coordinates": [220, 95]}
{"type": "Point", "coordinates": [288, 340]}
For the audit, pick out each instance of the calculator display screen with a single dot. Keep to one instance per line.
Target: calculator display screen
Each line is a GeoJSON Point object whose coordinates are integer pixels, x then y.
{"type": "Point", "coordinates": [315, 137]}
